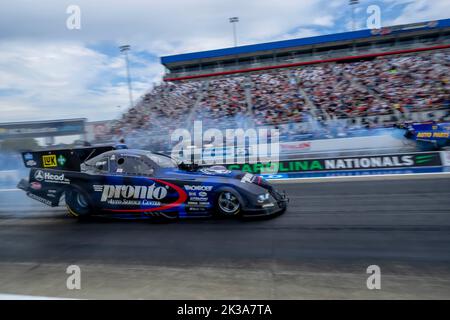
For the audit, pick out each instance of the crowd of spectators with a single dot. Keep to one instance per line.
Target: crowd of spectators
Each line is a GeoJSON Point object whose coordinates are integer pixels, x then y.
{"type": "Point", "coordinates": [160, 111]}
{"type": "Point", "coordinates": [415, 82]}
{"type": "Point", "coordinates": [318, 95]}
{"type": "Point", "coordinates": [223, 102]}
{"type": "Point", "coordinates": [276, 98]}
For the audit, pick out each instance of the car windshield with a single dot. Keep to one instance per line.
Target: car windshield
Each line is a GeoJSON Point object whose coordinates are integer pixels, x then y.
{"type": "Point", "coordinates": [161, 160]}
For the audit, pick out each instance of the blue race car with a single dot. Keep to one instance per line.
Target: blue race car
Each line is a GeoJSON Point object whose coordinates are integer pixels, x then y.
{"type": "Point", "coordinates": [429, 135]}
{"type": "Point", "coordinates": [141, 184]}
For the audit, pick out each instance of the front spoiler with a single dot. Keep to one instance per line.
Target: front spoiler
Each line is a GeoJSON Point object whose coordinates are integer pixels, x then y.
{"type": "Point", "coordinates": [280, 205]}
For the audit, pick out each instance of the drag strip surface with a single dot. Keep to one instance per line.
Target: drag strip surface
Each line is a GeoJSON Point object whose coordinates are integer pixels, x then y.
{"type": "Point", "coordinates": [320, 248]}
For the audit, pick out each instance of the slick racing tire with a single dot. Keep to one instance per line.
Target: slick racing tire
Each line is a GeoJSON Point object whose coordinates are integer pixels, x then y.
{"type": "Point", "coordinates": [77, 203]}
{"type": "Point", "coordinates": [228, 204]}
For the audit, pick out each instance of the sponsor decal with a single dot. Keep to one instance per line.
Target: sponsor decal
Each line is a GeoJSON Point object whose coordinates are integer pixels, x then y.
{"type": "Point", "coordinates": [31, 163]}
{"type": "Point", "coordinates": [198, 199]}
{"type": "Point", "coordinates": [195, 209]}
{"type": "Point", "coordinates": [276, 176]}
{"type": "Point", "coordinates": [350, 163]}
{"type": "Point", "coordinates": [142, 195]}
{"type": "Point", "coordinates": [247, 178]}
{"type": "Point", "coordinates": [381, 31]}
{"type": "Point", "coordinates": [129, 192]}
{"type": "Point", "coordinates": [49, 177]}
{"type": "Point", "coordinates": [35, 185]}
{"type": "Point", "coordinates": [202, 194]}
{"type": "Point", "coordinates": [49, 161]}
{"type": "Point", "coordinates": [28, 156]}
{"type": "Point", "coordinates": [40, 199]}
{"type": "Point", "coordinates": [61, 160]}
{"type": "Point", "coordinates": [39, 175]}
{"type": "Point", "coordinates": [215, 170]}
{"type": "Point", "coordinates": [430, 134]}
{"type": "Point", "coordinates": [295, 146]}
{"type": "Point", "coordinates": [198, 188]}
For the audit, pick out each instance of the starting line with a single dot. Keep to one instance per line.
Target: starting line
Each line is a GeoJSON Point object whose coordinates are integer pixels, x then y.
{"type": "Point", "coordinates": [6, 296]}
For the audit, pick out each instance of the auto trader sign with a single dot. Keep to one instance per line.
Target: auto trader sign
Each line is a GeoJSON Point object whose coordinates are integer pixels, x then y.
{"type": "Point", "coordinates": [347, 163]}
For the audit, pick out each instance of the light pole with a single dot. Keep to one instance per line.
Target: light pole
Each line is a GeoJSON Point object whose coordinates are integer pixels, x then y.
{"type": "Point", "coordinates": [124, 49]}
{"type": "Point", "coordinates": [233, 21]}
{"type": "Point", "coordinates": [353, 4]}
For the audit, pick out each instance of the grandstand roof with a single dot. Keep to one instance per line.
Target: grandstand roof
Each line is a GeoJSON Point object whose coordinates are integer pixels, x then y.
{"type": "Point", "coordinates": [345, 36]}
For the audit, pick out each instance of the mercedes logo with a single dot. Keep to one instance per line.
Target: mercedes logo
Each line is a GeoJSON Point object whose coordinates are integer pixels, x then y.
{"type": "Point", "coordinates": [39, 175]}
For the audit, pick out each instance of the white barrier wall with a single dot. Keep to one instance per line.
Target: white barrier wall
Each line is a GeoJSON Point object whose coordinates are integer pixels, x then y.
{"type": "Point", "coordinates": [343, 144]}
{"type": "Point", "coordinates": [445, 158]}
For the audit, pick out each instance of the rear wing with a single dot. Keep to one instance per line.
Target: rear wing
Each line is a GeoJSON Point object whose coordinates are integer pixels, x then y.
{"type": "Point", "coordinates": [62, 159]}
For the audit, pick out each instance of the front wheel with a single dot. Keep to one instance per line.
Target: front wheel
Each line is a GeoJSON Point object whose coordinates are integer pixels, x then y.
{"type": "Point", "coordinates": [228, 204]}
{"type": "Point", "coordinates": [77, 203]}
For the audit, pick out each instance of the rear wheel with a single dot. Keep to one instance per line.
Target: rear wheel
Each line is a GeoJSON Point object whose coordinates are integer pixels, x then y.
{"type": "Point", "coordinates": [77, 203]}
{"type": "Point", "coordinates": [228, 204]}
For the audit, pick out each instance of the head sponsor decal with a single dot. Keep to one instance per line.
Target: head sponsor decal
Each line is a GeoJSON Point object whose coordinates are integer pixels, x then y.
{"type": "Point", "coordinates": [49, 161]}
{"type": "Point", "coordinates": [49, 177]}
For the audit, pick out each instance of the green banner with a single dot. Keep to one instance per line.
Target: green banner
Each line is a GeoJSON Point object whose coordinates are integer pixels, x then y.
{"type": "Point", "coordinates": [343, 163]}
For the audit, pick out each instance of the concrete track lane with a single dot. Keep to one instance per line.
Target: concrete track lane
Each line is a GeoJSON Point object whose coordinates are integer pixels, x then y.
{"type": "Point", "coordinates": [320, 248]}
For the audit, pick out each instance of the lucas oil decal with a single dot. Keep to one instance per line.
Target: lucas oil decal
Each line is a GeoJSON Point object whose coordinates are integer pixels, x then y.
{"type": "Point", "coordinates": [158, 195]}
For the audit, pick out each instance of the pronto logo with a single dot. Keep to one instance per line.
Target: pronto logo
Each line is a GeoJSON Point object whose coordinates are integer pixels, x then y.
{"type": "Point", "coordinates": [198, 188]}
{"type": "Point", "coordinates": [131, 192]}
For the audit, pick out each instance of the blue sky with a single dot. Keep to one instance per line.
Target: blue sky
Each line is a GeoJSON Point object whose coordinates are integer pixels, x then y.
{"type": "Point", "coordinates": [50, 72]}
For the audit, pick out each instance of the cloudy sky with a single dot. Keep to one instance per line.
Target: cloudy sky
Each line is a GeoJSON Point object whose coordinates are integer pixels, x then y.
{"type": "Point", "coordinates": [48, 71]}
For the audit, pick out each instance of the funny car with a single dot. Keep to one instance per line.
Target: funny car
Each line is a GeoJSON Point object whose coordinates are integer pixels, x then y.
{"type": "Point", "coordinates": [131, 183]}
{"type": "Point", "coordinates": [430, 135]}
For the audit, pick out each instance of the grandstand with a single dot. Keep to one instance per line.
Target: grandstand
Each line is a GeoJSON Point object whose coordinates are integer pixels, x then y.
{"type": "Point", "coordinates": [317, 87]}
